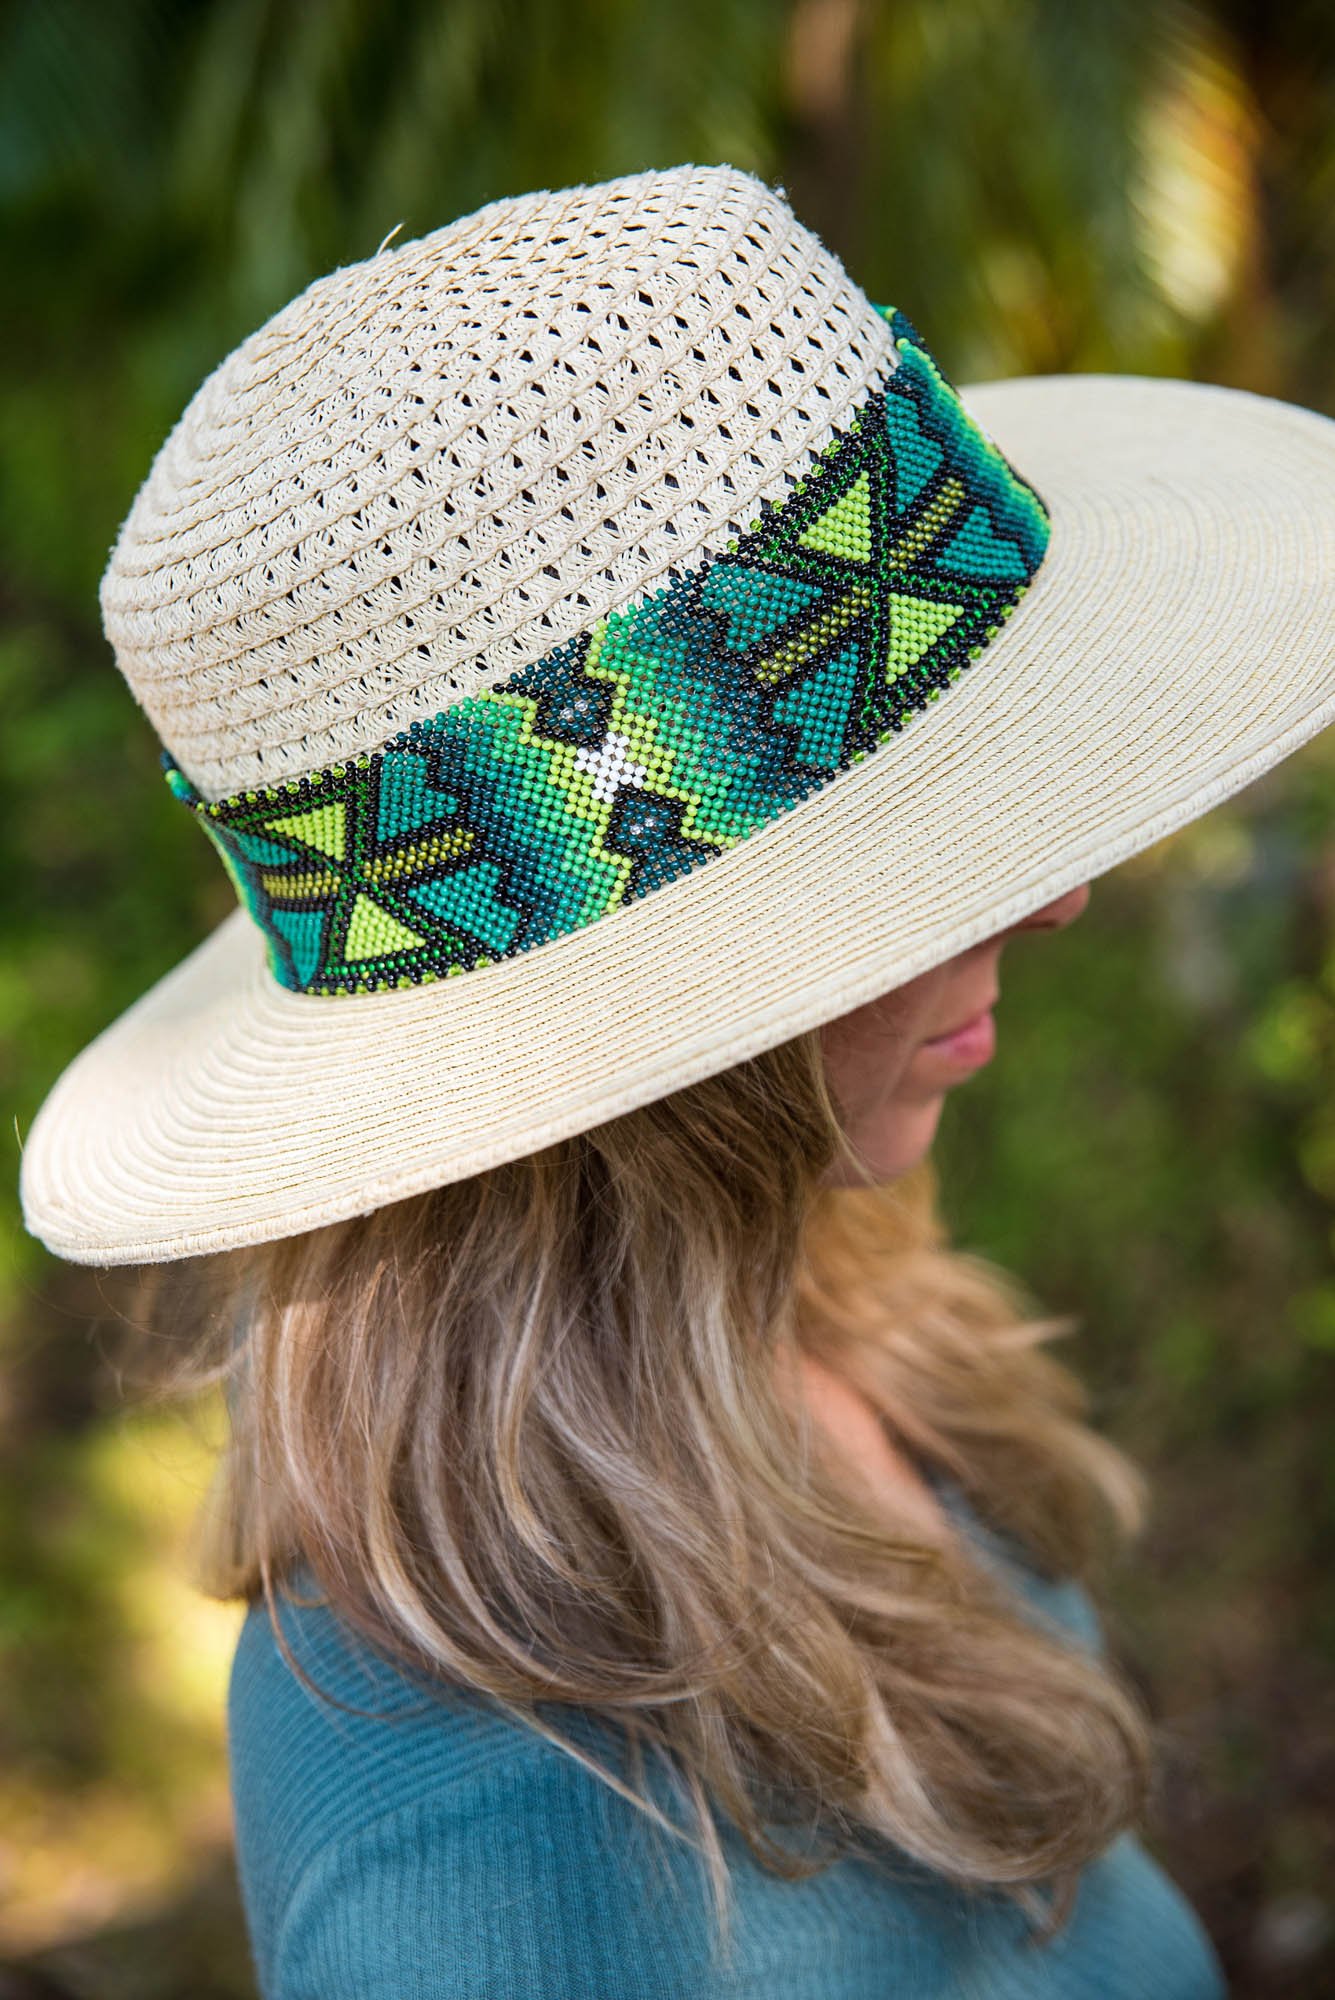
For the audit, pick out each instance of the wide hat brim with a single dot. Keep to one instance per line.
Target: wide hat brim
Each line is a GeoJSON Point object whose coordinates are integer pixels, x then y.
{"type": "Point", "coordinates": [1178, 642]}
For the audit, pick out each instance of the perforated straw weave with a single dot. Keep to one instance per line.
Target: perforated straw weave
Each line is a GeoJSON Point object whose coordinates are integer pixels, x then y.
{"type": "Point", "coordinates": [433, 467]}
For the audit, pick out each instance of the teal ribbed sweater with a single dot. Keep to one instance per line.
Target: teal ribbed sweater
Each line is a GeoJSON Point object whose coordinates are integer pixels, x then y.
{"type": "Point", "coordinates": [436, 1851]}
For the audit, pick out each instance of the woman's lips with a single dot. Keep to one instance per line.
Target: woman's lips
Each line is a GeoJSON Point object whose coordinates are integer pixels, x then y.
{"type": "Point", "coordinates": [969, 1045]}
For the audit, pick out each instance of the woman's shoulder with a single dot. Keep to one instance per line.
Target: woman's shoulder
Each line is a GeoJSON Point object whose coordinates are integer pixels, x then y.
{"type": "Point", "coordinates": [309, 1696]}
{"type": "Point", "coordinates": [356, 1784]}
{"type": "Point", "coordinates": [397, 1838]}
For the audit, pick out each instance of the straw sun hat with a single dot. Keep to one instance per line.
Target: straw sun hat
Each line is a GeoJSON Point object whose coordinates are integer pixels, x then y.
{"type": "Point", "coordinates": [601, 645]}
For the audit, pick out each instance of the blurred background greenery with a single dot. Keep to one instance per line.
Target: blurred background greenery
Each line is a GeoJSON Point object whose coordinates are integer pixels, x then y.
{"type": "Point", "coordinates": [1042, 185]}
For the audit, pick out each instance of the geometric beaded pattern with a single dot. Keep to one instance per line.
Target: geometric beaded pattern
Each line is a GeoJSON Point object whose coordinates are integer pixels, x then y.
{"type": "Point", "coordinates": [667, 733]}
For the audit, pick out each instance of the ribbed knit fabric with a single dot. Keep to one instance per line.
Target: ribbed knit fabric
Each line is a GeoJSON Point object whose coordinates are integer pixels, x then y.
{"type": "Point", "coordinates": [436, 1851]}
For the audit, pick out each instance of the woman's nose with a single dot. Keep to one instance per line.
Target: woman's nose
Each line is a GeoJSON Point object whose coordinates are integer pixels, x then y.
{"type": "Point", "coordinates": [1055, 916]}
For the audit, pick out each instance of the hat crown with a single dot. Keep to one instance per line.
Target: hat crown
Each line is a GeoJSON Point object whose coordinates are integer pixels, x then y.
{"type": "Point", "coordinates": [435, 466]}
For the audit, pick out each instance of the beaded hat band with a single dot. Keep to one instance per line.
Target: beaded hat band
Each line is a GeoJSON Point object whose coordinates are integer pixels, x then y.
{"type": "Point", "coordinates": [600, 642]}
{"type": "Point", "coordinates": [667, 733]}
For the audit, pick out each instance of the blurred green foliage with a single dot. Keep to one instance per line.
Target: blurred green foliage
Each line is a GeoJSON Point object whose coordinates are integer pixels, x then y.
{"type": "Point", "coordinates": [1136, 185]}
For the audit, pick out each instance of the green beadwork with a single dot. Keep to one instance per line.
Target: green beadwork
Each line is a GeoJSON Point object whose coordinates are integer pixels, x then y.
{"type": "Point", "coordinates": [665, 735]}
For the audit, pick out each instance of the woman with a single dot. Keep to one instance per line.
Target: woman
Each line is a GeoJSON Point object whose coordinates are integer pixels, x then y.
{"type": "Point", "coordinates": [636, 699]}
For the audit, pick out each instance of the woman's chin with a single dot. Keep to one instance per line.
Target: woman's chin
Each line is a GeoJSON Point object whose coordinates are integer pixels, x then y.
{"type": "Point", "coordinates": [893, 1145]}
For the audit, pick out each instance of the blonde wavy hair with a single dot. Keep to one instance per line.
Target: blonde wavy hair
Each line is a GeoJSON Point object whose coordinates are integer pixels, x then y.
{"type": "Point", "coordinates": [529, 1433]}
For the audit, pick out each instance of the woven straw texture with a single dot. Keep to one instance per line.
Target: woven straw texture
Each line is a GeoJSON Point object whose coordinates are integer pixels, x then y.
{"type": "Point", "coordinates": [1177, 643]}
{"type": "Point", "coordinates": [433, 467]}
